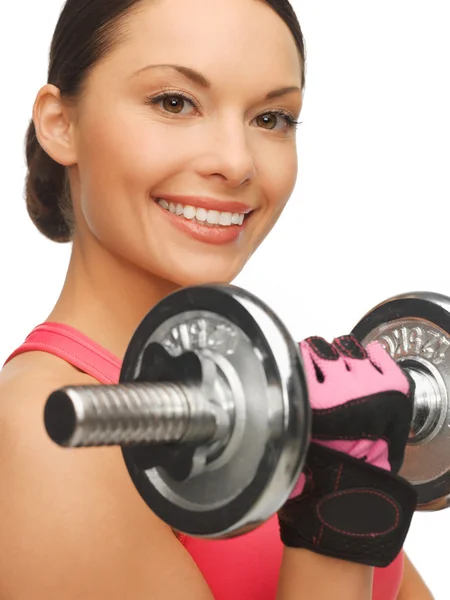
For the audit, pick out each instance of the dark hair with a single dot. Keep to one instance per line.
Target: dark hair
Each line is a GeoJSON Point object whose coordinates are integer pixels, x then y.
{"type": "Point", "coordinates": [86, 31]}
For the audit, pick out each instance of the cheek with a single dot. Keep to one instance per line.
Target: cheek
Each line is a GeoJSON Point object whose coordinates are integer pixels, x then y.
{"type": "Point", "coordinates": [118, 154]}
{"type": "Point", "coordinates": [278, 173]}
{"type": "Point", "coordinates": [122, 156]}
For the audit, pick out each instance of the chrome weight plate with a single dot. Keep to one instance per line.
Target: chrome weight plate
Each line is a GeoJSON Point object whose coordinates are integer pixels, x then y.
{"type": "Point", "coordinates": [264, 455]}
{"type": "Point", "coordinates": [415, 330]}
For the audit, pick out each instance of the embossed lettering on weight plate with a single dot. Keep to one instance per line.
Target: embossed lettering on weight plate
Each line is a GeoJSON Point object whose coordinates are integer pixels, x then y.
{"type": "Point", "coordinates": [416, 341]}
{"type": "Point", "coordinates": [199, 333]}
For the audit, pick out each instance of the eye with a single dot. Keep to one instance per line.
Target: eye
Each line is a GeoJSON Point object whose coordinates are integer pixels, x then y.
{"type": "Point", "coordinates": [173, 103]}
{"type": "Point", "coordinates": [276, 120]}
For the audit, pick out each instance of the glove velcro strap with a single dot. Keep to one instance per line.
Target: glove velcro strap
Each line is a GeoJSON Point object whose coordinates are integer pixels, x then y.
{"type": "Point", "coordinates": [349, 510]}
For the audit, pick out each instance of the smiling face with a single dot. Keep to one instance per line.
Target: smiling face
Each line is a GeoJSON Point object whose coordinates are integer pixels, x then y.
{"type": "Point", "coordinates": [185, 138]}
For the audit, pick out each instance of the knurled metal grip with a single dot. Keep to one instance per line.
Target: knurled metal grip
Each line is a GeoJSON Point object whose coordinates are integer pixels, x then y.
{"type": "Point", "coordinates": [192, 406]}
{"type": "Point", "coordinates": [129, 414]}
{"type": "Point", "coordinates": [211, 412]}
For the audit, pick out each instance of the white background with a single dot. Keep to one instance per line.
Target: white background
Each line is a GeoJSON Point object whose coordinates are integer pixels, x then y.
{"type": "Point", "coordinates": [368, 219]}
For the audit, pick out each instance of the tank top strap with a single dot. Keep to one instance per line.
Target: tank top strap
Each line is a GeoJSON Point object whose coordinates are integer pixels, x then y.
{"type": "Point", "coordinates": [74, 347]}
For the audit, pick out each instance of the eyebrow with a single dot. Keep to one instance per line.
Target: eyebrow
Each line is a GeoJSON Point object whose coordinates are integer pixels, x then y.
{"type": "Point", "coordinates": [283, 92]}
{"type": "Point", "coordinates": [201, 80]}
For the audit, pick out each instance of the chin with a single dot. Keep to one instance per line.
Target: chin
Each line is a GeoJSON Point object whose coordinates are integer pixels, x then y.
{"type": "Point", "coordinates": [204, 272]}
{"type": "Point", "coordinates": [194, 279]}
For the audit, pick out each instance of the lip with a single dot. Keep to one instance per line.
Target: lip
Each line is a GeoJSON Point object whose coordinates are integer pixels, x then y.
{"type": "Point", "coordinates": [215, 235]}
{"type": "Point", "coordinates": [207, 203]}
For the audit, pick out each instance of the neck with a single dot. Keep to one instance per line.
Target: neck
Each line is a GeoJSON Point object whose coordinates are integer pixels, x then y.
{"type": "Point", "coordinates": [106, 298]}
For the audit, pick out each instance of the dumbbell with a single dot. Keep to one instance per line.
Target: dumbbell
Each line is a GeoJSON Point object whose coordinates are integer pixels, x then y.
{"type": "Point", "coordinates": [415, 330]}
{"type": "Point", "coordinates": [212, 412]}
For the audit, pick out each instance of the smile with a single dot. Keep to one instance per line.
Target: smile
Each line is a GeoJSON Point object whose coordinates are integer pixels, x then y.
{"type": "Point", "coordinates": [202, 215]}
{"type": "Point", "coordinates": [208, 220]}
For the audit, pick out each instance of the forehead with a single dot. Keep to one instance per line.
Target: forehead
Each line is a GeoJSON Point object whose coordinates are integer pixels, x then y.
{"type": "Point", "coordinates": [235, 38]}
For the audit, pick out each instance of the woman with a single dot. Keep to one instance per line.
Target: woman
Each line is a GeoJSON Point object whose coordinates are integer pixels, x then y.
{"type": "Point", "coordinates": [163, 147]}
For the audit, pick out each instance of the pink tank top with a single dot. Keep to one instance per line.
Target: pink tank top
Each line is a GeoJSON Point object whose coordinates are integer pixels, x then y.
{"type": "Point", "coordinates": [243, 568]}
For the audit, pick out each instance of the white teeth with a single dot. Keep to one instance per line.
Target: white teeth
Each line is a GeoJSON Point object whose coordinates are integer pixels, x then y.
{"type": "Point", "coordinates": [225, 218]}
{"type": "Point", "coordinates": [206, 217]}
{"type": "Point", "coordinates": [213, 217]}
{"type": "Point", "coordinates": [189, 212]}
{"type": "Point", "coordinates": [202, 215]}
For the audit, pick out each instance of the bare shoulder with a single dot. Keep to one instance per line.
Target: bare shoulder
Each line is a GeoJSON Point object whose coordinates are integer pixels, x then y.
{"type": "Point", "coordinates": [25, 384]}
{"type": "Point", "coordinates": [72, 521]}
{"type": "Point", "coordinates": [31, 369]}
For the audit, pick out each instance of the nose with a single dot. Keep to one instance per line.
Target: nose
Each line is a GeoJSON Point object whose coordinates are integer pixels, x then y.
{"type": "Point", "coordinates": [228, 156]}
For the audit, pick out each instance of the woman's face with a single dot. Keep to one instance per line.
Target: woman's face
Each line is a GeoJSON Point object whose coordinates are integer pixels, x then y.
{"type": "Point", "coordinates": [185, 151]}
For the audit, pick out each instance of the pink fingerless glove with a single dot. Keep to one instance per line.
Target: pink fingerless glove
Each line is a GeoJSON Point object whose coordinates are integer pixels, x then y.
{"type": "Point", "coordinates": [349, 502]}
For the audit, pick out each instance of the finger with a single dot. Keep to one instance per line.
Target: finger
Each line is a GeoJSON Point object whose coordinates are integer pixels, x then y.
{"type": "Point", "coordinates": [392, 373]}
{"type": "Point", "coordinates": [366, 376]}
{"type": "Point", "coordinates": [324, 357]}
{"type": "Point", "coordinates": [328, 378]}
{"type": "Point", "coordinates": [349, 347]}
{"type": "Point", "coordinates": [321, 348]}
{"type": "Point", "coordinates": [371, 365]}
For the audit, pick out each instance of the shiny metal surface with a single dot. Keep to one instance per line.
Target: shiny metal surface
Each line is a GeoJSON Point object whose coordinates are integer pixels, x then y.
{"type": "Point", "coordinates": [415, 330]}
{"type": "Point", "coordinates": [252, 475]}
{"type": "Point", "coordinates": [128, 414]}
{"type": "Point", "coordinates": [211, 411]}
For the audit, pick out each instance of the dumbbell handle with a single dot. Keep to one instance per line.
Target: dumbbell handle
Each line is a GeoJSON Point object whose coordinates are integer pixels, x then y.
{"type": "Point", "coordinates": [427, 403]}
{"type": "Point", "coordinates": [164, 412]}
{"type": "Point", "coordinates": [135, 413]}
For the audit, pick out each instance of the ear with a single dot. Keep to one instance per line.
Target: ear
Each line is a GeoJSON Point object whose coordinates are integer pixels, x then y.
{"type": "Point", "coordinates": [53, 126]}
